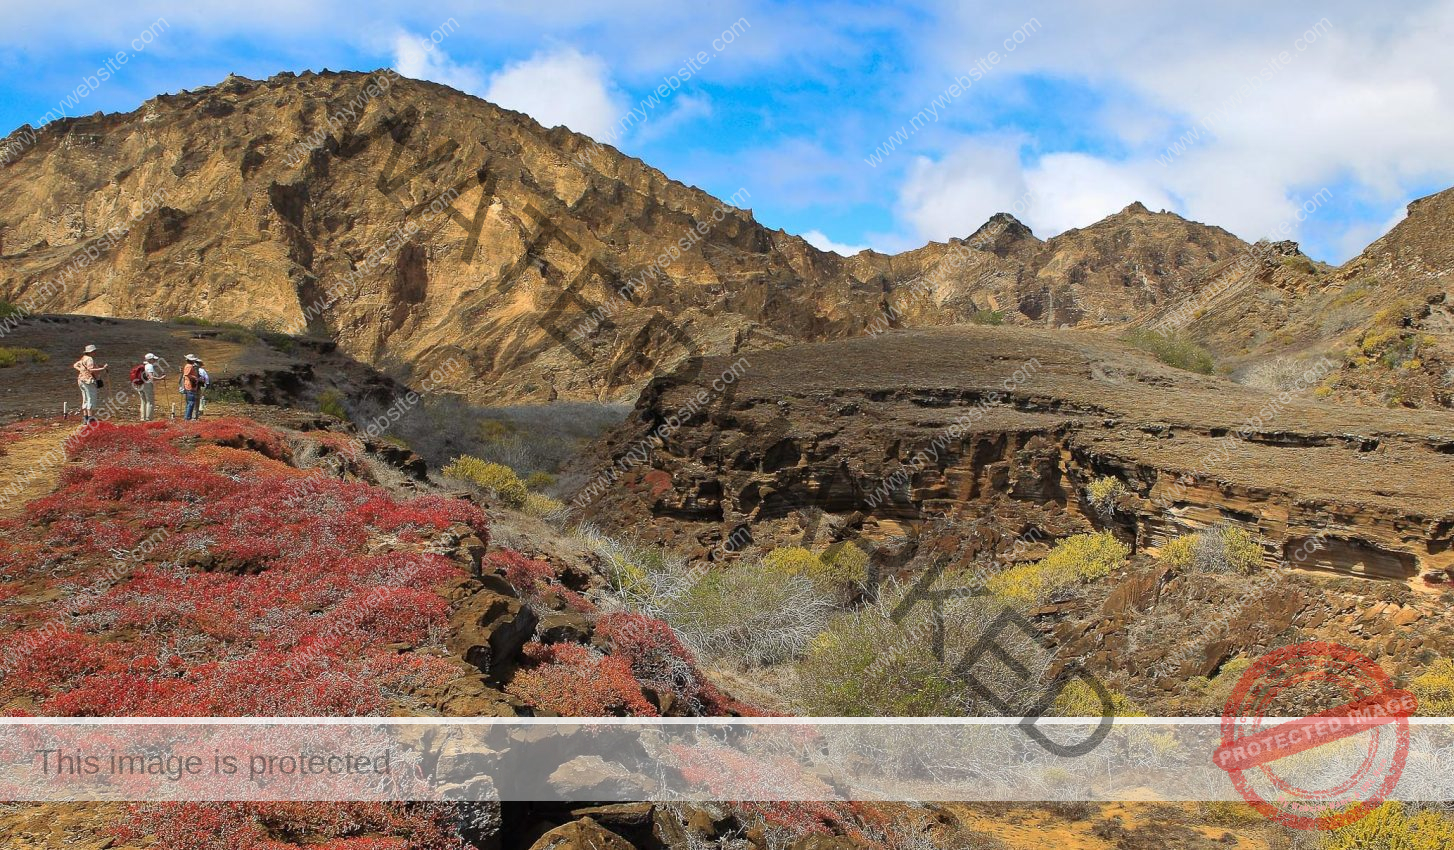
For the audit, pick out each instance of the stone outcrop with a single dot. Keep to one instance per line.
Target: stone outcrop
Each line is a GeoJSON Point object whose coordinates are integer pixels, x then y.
{"type": "Point", "coordinates": [970, 439]}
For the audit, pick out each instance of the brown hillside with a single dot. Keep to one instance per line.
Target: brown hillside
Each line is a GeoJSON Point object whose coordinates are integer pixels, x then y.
{"type": "Point", "coordinates": [412, 223]}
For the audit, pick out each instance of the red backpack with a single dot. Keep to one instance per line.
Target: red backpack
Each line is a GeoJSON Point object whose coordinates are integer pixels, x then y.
{"type": "Point", "coordinates": [138, 374]}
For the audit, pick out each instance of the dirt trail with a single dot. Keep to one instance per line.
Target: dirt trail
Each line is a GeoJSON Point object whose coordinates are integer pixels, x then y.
{"type": "Point", "coordinates": [30, 467]}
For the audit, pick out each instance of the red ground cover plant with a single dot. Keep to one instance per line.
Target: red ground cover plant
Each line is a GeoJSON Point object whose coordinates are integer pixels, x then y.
{"type": "Point", "coordinates": [536, 580]}
{"type": "Point", "coordinates": [572, 680]}
{"type": "Point", "coordinates": [290, 614]}
{"type": "Point", "coordinates": [188, 570]}
{"type": "Point", "coordinates": [659, 660]}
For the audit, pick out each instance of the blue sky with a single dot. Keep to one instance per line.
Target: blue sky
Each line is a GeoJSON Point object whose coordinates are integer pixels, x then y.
{"type": "Point", "coordinates": [1072, 110]}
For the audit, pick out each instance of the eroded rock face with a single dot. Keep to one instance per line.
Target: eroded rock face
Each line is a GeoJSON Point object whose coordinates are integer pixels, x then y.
{"type": "Point", "coordinates": [968, 440]}
{"type": "Point", "coordinates": [414, 224]}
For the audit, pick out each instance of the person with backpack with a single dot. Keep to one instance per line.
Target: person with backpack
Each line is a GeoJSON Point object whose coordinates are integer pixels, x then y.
{"type": "Point", "coordinates": [190, 386]}
{"type": "Point", "coordinates": [88, 376]}
{"type": "Point", "coordinates": [206, 381]}
{"type": "Point", "coordinates": [143, 378]}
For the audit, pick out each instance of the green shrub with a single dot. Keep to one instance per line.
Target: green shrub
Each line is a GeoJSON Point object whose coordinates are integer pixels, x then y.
{"type": "Point", "coordinates": [493, 430]}
{"type": "Point", "coordinates": [845, 564]}
{"type": "Point", "coordinates": [1240, 550]}
{"type": "Point", "coordinates": [745, 612]}
{"type": "Point", "coordinates": [792, 560]}
{"type": "Point", "coordinates": [1224, 549]}
{"type": "Point", "coordinates": [1435, 689]}
{"type": "Point", "coordinates": [841, 571]}
{"type": "Point", "coordinates": [867, 664]}
{"type": "Point", "coordinates": [1103, 493]}
{"type": "Point", "coordinates": [748, 612]}
{"type": "Point", "coordinates": [12, 356]}
{"type": "Point", "coordinates": [1078, 699]}
{"type": "Point", "coordinates": [1074, 559]}
{"type": "Point", "coordinates": [1173, 349]}
{"type": "Point", "coordinates": [495, 477]}
{"type": "Point", "coordinates": [541, 505]}
{"type": "Point", "coordinates": [237, 335]}
{"type": "Point", "coordinates": [7, 309]}
{"type": "Point", "coordinates": [1392, 827]}
{"type": "Point", "coordinates": [330, 402]}
{"type": "Point", "coordinates": [1180, 554]}
{"type": "Point", "coordinates": [987, 317]}
{"type": "Point", "coordinates": [276, 340]}
{"type": "Point", "coordinates": [539, 480]}
{"type": "Point", "coordinates": [227, 394]}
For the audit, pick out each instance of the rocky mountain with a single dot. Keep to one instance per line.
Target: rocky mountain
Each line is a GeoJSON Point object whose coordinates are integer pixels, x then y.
{"type": "Point", "coordinates": [412, 223]}
{"type": "Point", "coordinates": [1385, 315]}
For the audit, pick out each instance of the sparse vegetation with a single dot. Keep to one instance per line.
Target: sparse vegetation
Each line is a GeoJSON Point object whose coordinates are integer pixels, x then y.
{"type": "Point", "coordinates": [1173, 349]}
{"type": "Point", "coordinates": [1103, 492]}
{"type": "Point", "coordinates": [1078, 699]}
{"type": "Point", "coordinates": [330, 403]}
{"type": "Point", "coordinates": [747, 612]}
{"type": "Point", "coordinates": [7, 309]}
{"type": "Point", "coordinates": [1210, 695]}
{"type": "Point", "coordinates": [543, 506]}
{"type": "Point", "coordinates": [1280, 374]}
{"type": "Point", "coordinates": [987, 317]}
{"type": "Point", "coordinates": [227, 394]}
{"type": "Point", "coordinates": [1223, 549]}
{"type": "Point", "coordinates": [840, 571]}
{"type": "Point", "coordinates": [1435, 689]}
{"type": "Point", "coordinates": [540, 481]}
{"type": "Point", "coordinates": [11, 356]}
{"type": "Point", "coordinates": [500, 480]}
{"type": "Point", "coordinates": [1079, 558]}
{"type": "Point", "coordinates": [1395, 826]}
{"type": "Point", "coordinates": [526, 438]}
{"type": "Point", "coordinates": [868, 664]}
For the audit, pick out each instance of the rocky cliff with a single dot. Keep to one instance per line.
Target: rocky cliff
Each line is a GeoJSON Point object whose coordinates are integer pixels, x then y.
{"type": "Point", "coordinates": [993, 434]}
{"type": "Point", "coordinates": [412, 223]}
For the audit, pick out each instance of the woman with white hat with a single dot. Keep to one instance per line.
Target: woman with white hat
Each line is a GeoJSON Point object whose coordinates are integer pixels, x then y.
{"type": "Point", "coordinates": [88, 376]}
{"type": "Point", "coordinates": [191, 386]}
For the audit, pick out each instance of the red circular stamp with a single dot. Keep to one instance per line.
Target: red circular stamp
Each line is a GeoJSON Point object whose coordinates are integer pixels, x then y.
{"type": "Point", "coordinates": [1355, 750]}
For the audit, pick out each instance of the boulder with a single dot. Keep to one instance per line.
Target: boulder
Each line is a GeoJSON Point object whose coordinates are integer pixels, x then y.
{"type": "Point", "coordinates": [583, 834]}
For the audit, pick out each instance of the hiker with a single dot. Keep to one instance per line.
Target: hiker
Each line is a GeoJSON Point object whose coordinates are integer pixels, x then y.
{"type": "Point", "coordinates": [190, 386]}
{"type": "Point", "coordinates": [88, 375]}
{"type": "Point", "coordinates": [206, 381]}
{"type": "Point", "coordinates": [143, 379]}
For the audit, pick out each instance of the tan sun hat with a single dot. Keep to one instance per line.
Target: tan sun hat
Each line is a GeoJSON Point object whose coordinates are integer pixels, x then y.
{"type": "Point", "coordinates": [88, 349]}
{"type": "Point", "coordinates": [149, 356]}
{"type": "Point", "coordinates": [190, 357]}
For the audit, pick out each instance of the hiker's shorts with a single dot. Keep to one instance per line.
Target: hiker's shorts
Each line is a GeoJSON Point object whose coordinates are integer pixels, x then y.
{"type": "Point", "coordinates": [89, 395]}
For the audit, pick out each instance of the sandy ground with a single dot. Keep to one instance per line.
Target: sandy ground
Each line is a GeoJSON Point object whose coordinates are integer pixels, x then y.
{"type": "Point", "coordinates": [31, 465]}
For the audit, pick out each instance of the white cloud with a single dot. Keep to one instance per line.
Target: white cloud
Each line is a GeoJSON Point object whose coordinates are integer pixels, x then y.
{"type": "Point", "coordinates": [953, 196]}
{"type": "Point", "coordinates": [418, 57]}
{"type": "Point", "coordinates": [1368, 100]}
{"type": "Point", "coordinates": [818, 239]}
{"type": "Point", "coordinates": [561, 86]}
{"type": "Point", "coordinates": [685, 108]}
{"type": "Point", "coordinates": [1074, 190]}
